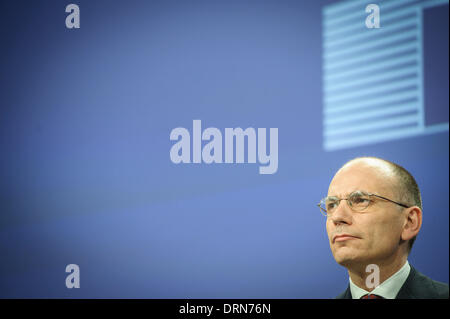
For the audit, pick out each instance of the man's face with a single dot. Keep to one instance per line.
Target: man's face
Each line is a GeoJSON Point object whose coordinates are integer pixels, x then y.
{"type": "Point", "coordinates": [375, 233]}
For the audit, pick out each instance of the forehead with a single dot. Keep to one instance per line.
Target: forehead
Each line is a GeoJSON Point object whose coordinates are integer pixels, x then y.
{"type": "Point", "coordinates": [372, 177]}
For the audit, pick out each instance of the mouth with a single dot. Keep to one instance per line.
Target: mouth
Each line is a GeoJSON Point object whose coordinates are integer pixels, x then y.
{"type": "Point", "coordinates": [343, 237]}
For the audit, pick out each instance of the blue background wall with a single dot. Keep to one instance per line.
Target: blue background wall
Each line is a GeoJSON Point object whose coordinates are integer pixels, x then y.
{"type": "Point", "coordinates": [85, 172]}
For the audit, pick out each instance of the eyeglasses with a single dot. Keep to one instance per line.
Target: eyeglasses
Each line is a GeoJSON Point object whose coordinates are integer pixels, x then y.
{"type": "Point", "coordinates": [358, 201]}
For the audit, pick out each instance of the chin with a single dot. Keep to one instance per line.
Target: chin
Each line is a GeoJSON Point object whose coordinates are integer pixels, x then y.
{"type": "Point", "coordinates": [345, 256]}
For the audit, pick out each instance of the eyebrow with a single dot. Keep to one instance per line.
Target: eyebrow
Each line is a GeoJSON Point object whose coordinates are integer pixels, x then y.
{"type": "Point", "coordinates": [347, 194]}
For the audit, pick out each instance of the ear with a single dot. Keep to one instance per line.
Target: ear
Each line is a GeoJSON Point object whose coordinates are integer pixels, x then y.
{"type": "Point", "coordinates": [413, 222]}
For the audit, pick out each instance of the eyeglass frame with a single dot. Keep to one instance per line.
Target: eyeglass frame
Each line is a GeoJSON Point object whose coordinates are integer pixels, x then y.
{"type": "Point", "coordinates": [367, 194]}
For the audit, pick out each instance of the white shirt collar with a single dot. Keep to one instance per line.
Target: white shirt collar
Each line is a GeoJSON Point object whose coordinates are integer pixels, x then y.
{"type": "Point", "coordinates": [388, 288]}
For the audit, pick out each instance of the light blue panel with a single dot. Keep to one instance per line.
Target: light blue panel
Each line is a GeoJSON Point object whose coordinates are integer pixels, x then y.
{"type": "Point", "coordinates": [374, 89]}
{"type": "Point", "coordinates": [387, 18]}
{"type": "Point", "coordinates": [358, 140]}
{"type": "Point", "coordinates": [344, 85]}
{"type": "Point", "coordinates": [380, 41]}
{"type": "Point", "coordinates": [333, 20]}
{"type": "Point", "coordinates": [380, 125]}
{"type": "Point", "coordinates": [341, 118]}
{"type": "Point", "coordinates": [365, 36]}
{"type": "Point", "coordinates": [377, 73]}
{"type": "Point", "coordinates": [373, 102]}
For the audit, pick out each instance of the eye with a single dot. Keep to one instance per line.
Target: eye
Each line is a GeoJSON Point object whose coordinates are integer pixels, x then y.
{"type": "Point", "coordinates": [331, 204]}
{"type": "Point", "coordinates": [360, 201]}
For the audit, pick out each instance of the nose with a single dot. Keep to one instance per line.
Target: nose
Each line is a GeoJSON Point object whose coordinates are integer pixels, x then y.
{"type": "Point", "coordinates": [342, 214]}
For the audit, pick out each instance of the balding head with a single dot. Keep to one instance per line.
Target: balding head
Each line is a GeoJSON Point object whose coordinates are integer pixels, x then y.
{"type": "Point", "coordinates": [403, 183]}
{"type": "Point", "coordinates": [370, 174]}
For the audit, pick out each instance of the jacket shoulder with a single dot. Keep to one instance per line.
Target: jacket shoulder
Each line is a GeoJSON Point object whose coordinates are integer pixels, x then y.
{"type": "Point", "coordinates": [346, 294]}
{"type": "Point", "coordinates": [419, 286]}
{"type": "Point", "coordinates": [441, 289]}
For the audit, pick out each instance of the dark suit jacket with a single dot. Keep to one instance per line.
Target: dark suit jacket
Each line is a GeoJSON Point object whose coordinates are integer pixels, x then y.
{"type": "Point", "coordinates": [416, 286]}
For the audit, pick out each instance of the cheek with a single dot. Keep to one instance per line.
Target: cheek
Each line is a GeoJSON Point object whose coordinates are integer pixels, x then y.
{"type": "Point", "coordinates": [330, 228]}
{"type": "Point", "coordinates": [385, 233]}
{"type": "Point", "coordinates": [370, 230]}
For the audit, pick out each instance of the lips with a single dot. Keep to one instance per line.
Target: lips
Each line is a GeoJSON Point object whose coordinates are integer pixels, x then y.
{"type": "Point", "coordinates": [343, 237]}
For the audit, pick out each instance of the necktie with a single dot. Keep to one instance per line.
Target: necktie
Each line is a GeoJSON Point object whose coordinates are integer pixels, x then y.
{"type": "Point", "coordinates": [370, 296]}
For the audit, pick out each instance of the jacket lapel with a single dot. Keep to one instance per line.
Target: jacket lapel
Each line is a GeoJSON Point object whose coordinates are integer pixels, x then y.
{"type": "Point", "coordinates": [406, 292]}
{"type": "Point", "coordinates": [346, 294]}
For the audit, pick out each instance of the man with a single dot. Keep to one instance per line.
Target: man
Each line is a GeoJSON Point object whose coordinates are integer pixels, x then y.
{"type": "Point", "coordinates": [374, 213]}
